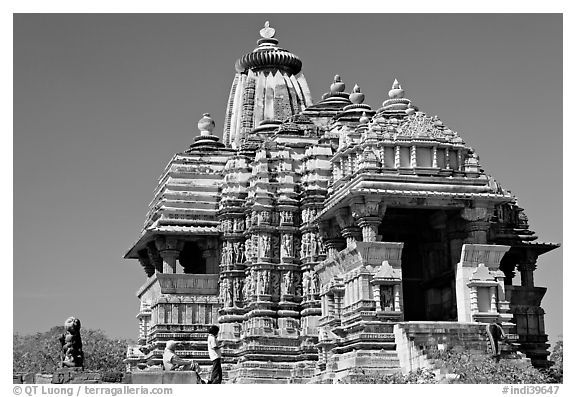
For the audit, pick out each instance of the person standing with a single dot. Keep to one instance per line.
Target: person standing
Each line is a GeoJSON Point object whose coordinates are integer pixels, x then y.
{"type": "Point", "coordinates": [215, 354]}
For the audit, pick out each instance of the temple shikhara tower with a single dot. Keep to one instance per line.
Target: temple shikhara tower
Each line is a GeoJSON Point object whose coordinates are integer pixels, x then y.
{"type": "Point", "coordinates": [329, 236]}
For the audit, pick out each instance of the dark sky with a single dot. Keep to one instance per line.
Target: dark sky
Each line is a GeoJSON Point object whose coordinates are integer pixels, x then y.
{"type": "Point", "coordinates": [103, 101]}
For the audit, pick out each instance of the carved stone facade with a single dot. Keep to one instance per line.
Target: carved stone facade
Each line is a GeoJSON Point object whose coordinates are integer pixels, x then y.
{"type": "Point", "coordinates": [317, 234]}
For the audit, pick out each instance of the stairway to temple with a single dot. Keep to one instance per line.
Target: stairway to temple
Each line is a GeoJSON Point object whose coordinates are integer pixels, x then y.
{"type": "Point", "coordinates": [407, 349]}
{"type": "Point", "coordinates": [415, 340]}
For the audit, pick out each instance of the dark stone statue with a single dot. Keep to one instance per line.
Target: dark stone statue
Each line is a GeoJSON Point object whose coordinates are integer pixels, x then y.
{"type": "Point", "coordinates": [497, 337]}
{"type": "Point", "coordinates": [72, 354]}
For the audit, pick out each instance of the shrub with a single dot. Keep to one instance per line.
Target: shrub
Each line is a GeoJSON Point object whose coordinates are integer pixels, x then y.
{"type": "Point", "coordinates": [40, 352]}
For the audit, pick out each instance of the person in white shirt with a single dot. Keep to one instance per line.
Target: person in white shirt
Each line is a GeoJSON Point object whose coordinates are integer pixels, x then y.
{"type": "Point", "coordinates": [215, 354]}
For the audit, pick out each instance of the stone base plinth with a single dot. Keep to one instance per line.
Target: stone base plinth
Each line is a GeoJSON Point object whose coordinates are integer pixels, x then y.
{"type": "Point", "coordinates": [343, 367]}
{"type": "Point", "coordinates": [256, 372]}
{"type": "Point", "coordinates": [164, 377]}
{"type": "Point", "coordinates": [75, 375]}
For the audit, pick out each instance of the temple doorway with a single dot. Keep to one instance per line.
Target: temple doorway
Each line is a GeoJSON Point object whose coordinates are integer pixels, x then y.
{"type": "Point", "coordinates": [428, 277]}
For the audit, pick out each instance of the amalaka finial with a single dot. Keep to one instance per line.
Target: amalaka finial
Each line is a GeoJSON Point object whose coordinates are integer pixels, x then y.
{"type": "Point", "coordinates": [206, 124]}
{"type": "Point", "coordinates": [337, 85]}
{"type": "Point", "coordinates": [364, 119]}
{"type": "Point", "coordinates": [396, 92]}
{"type": "Point", "coordinates": [356, 96]}
{"type": "Point", "coordinates": [267, 32]}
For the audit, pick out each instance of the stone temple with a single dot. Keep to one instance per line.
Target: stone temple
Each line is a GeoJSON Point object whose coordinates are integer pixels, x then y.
{"type": "Point", "coordinates": [327, 237]}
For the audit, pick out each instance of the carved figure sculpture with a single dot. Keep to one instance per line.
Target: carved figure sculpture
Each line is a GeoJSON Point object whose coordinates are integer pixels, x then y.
{"type": "Point", "coordinates": [260, 284]}
{"type": "Point", "coordinates": [248, 248]}
{"type": "Point", "coordinates": [223, 256]}
{"type": "Point", "coordinates": [305, 245]}
{"type": "Point", "coordinates": [253, 282]}
{"type": "Point", "coordinates": [321, 248]}
{"type": "Point", "coordinates": [264, 217]}
{"type": "Point", "coordinates": [71, 342]}
{"type": "Point", "coordinates": [247, 287]}
{"type": "Point", "coordinates": [315, 287]}
{"type": "Point", "coordinates": [265, 246]}
{"type": "Point", "coordinates": [255, 246]}
{"type": "Point", "coordinates": [228, 297]}
{"type": "Point", "coordinates": [266, 282]}
{"type": "Point", "coordinates": [287, 283]}
{"type": "Point", "coordinates": [241, 254]}
{"type": "Point", "coordinates": [222, 293]}
{"type": "Point", "coordinates": [286, 245]}
{"type": "Point", "coordinates": [313, 245]}
{"type": "Point", "coordinates": [238, 287]}
{"type": "Point", "coordinates": [306, 284]}
{"type": "Point", "coordinates": [236, 253]}
{"type": "Point", "coordinates": [229, 255]}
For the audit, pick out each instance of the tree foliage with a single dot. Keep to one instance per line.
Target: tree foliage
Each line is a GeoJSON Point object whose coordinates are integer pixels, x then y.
{"type": "Point", "coordinates": [557, 356]}
{"type": "Point", "coordinates": [40, 352]}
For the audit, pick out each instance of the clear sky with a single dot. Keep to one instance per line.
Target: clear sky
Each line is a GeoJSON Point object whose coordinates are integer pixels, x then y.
{"type": "Point", "coordinates": [103, 101]}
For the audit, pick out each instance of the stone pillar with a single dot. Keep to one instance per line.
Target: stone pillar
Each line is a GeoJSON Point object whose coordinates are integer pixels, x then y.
{"type": "Point", "coordinates": [349, 230]}
{"type": "Point", "coordinates": [335, 245]}
{"type": "Point", "coordinates": [493, 307]}
{"type": "Point", "coordinates": [351, 234]}
{"type": "Point", "coordinates": [397, 298]}
{"type": "Point", "coordinates": [330, 236]}
{"type": "Point", "coordinates": [369, 226]}
{"type": "Point", "coordinates": [169, 249]}
{"type": "Point", "coordinates": [169, 259]}
{"type": "Point", "coordinates": [527, 273]}
{"type": "Point", "coordinates": [477, 224]}
{"type": "Point", "coordinates": [368, 213]}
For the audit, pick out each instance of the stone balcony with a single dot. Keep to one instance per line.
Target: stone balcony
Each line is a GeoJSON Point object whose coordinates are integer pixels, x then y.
{"type": "Point", "coordinates": [189, 284]}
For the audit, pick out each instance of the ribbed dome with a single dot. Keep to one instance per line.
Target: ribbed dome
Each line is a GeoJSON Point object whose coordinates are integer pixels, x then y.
{"type": "Point", "coordinates": [268, 85]}
{"type": "Point", "coordinates": [269, 56]}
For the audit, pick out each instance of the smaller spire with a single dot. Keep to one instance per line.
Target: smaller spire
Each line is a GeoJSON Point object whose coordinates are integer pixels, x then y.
{"type": "Point", "coordinates": [356, 97]}
{"type": "Point", "coordinates": [206, 125]}
{"type": "Point", "coordinates": [364, 119]}
{"type": "Point", "coordinates": [206, 141]}
{"type": "Point", "coordinates": [396, 92]}
{"type": "Point", "coordinates": [337, 85]}
{"type": "Point", "coordinates": [267, 32]}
